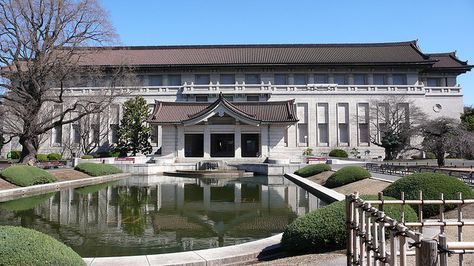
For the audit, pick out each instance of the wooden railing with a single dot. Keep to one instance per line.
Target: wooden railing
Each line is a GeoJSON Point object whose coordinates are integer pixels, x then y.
{"type": "Point", "coordinates": [373, 238]}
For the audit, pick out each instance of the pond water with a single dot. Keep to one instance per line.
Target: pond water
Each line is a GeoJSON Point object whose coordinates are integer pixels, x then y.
{"type": "Point", "coordinates": [157, 214]}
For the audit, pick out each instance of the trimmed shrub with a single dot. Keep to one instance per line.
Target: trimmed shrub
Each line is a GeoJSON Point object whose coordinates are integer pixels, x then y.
{"type": "Point", "coordinates": [432, 185]}
{"type": "Point", "coordinates": [338, 153]}
{"type": "Point", "coordinates": [87, 156]}
{"type": "Point", "coordinates": [23, 246]}
{"type": "Point", "coordinates": [325, 229]}
{"type": "Point", "coordinates": [95, 169]}
{"type": "Point", "coordinates": [54, 156]}
{"type": "Point", "coordinates": [41, 157]}
{"type": "Point", "coordinates": [25, 203]}
{"type": "Point", "coordinates": [313, 169]}
{"type": "Point", "coordinates": [430, 155]}
{"type": "Point", "coordinates": [346, 175]}
{"type": "Point", "coordinates": [25, 175]}
{"type": "Point", "coordinates": [15, 155]}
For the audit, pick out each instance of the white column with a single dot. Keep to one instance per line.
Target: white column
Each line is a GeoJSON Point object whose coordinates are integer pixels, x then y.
{"type": "Point", "coordinates": [207, 141]}
{"type": "Point", "coordinates": [264, 139]}
{"type": "Point", "coordinates": [238, 141]}
{"type": "Point", "coordinates": [180, 146]}
{"type": "Point", "coordinates": [332, 124]}
{"type": "Point", "coordinates": [311, 124]}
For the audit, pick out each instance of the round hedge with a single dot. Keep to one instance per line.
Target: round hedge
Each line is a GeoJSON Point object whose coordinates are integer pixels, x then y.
{"type": "Point", "coordinates": [338, 153]}
{"type": "Point", "coordinates": [325, 229]}
{"type": "Point", "coordinates": [54, 156]}
{"type": "Point", "coordinates": [432, 185]}
{"type": "Point", "coordinates": [97, 169]}
{"type": "Point", "coordinates": [87, 156]}
{"type": "Point", "coordinates": [42, 157]}
{"type": "Point", "coordinates": [22, 246]}
{"type": "Point", "coordinates": [313, 169]}
{"type": "Point", "coordinates": [346, 175]}
{"type": "Point", "coordinates": [25, 175]}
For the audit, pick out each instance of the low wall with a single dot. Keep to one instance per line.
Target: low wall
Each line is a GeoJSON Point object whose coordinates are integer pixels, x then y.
{"type": "Point", "coordinates": [326, 194]}
{"type": "Point", "coordinates": [269, 169]}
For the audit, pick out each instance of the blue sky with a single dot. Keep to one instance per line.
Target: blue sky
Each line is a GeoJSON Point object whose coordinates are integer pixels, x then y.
{"type": "Point", "coordinates": [439, 25]}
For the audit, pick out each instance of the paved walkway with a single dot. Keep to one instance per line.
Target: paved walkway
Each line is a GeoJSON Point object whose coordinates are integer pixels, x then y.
{"type": "Point", "coordinates": [68, 174]}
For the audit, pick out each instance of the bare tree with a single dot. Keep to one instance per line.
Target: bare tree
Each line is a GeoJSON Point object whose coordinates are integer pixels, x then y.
{"type": "Point", "coordinates": [41, 51]}
{"type": "Point", "coordinates": [393, 121]}
{"type": "Point", "coordinates": [446, 135]}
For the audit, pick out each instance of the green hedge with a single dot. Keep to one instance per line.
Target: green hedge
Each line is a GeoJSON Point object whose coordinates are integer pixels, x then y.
{"type": "Point", "coordinates": [346, 175]}
{"type": "Point", "coordinates": [24, 175]}
{"type": "Point", "coordinates": [42, 157]}
{"type": "Point", "coordinates": [15, 155]}
{"type": "Point", "coordinates": [105, 154]}
{"type": "Point", "coordinates": [432, 184]}
{"type": "Point", "coordinates": [313, 169]}
{"type": "Point", "coordinates": [325, 229]}
{"type": "Point", "coordinates": [22, 246]}
{"type": "Point", "coordinates": [338, 153]}
{"type": "Point", "coordinates": [95, 169]}
{"type": "Point", "coordinates": [54, 156]}
{"type": "Point", "coordinates": [87, 156]}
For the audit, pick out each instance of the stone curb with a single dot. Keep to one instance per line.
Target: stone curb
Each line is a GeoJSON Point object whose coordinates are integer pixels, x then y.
{"type": "Point", "coordinates": [326, 194]}
{"type": "Point", "coordinates": [9, 194]}
{"type": "Point", "coordinates": [236, 254]}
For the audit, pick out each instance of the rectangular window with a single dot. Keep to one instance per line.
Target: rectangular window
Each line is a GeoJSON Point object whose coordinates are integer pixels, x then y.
{"type": "Point", "coordinates": [280, 79]}
{"type": "Point", "coordinates": [363, 123]}
{"type": "Point", "coordinates": [380, 79]}
{"type": "Point", "coordinates": [76, 133]}
{"type": "Point", "coordinates": [114, 133]}
{"type": "Point", "coordinates": [253, 98]}
{"type": "Point", "coordinates": [58, 135]}
{"type": "Point", "coordinates": [229, 98]}
{"type": "Point", "coordinates": [174, 80]}
{"type": "Point", "coordinates": [360, 79]}
{"type": "Point", "coordinates": [139, 80]}
{"type": "Point", "coordinates": [321, 79]}
{"type": "Point", "coordinates": [252, 79]}
{"type": "Point", "coordinates": [343, 123]}
{"type": "Point", "coordinates": [302, 112]}
{"type": "Point", "coordinates": [95, 133]}
{"type": "Point", "coordinates": [300, 79]}
{"type": "Point", "coordinates": [201, 98]}
{"type": "Point", "coordinates": [433, 82]}
{"type": "Point", "coordinates": [399, 79]}
{"type": "Point", "coordinates": [323, 126]}
{"type": "Point", "coordinates": [155, 80]}
{"type": "Point", "coordinates": [340, 79]}
{"type": "Point", "coordinates": [227, 79]}
{"type": "Point", "coordinates": [202, 79]}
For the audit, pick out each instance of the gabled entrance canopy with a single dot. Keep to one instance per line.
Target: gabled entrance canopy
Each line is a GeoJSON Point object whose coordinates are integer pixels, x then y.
{"type": "Point", "coordinates": [251, 113]}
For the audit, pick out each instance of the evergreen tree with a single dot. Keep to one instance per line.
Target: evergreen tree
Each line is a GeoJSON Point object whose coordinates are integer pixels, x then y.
{"type": "Point", "coordinates": [467, 118]}
{"type": "Point", "coordinates": [134, 132]}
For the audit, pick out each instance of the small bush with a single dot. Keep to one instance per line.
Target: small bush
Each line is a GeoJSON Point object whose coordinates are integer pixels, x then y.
{"type": "Point", "coordinates": [325, 229]}
{"type": "Point", "coordinates": [54, 156]}
{"type": "Point", "coordinates": [87, 156]}
{"type": "Point", "coordinates": [15, 155]}
{"type": "Point", "coordinates": [346, 175]}
{"type": "Point", "coordinates": [432, 184]}
{"type": "Point", "coordinates": [41, 157]}
{"type": "Point", "coordinates": [313, 169]}
{"type": "Point", "coordinates": [430, 155]}
{"type": "Point", "coordinates": [95, 169]}
{"type": "Point", "coordinates": [338, 153]}
{"type": "Point", "coordinates": [22, 246]}
{"type": "Point", "coordinates": [25, 175]}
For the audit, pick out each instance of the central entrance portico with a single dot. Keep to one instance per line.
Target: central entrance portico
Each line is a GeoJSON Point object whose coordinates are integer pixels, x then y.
{"type": "Point", "coordinates": [223, 129]}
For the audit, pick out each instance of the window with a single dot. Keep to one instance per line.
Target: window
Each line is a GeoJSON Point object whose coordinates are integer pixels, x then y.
{"type": "Point", "coordinates": [229, 98]}
{"type": "Point", "coordinates": [252, 79]}
{"type": "Point", "coordinates": [140, 80]}
{"type": "Point", "coordinates": [302, 111]}
{"type": "Point", "coordinates": [95, 133]}
{"type": "Point", "coordinates": [174, 80]}
{"type": "Point", "coordinates": [114, 133]}
{"type": "Point", "coordinates": [300, 79]}
{"type": "Point", "coordinates": [57, 135]}
{"type": "Point", "coordinates": [360, 79]}
{"type": "Point", "coordinates": [399, 79]}
{"type": "Point", "coordinates": [155, 80]}
{"type": "Point", "coordinates": [202, 79]}
{"type": "Point", "coordinates": [227, 79]}
{"type": "Point", "coordinates": [343, 123]}
{"type": "Point", "coordinates": [340, 79]}
{"type": "Point", "coordinates": [433, 82]}
{"type": "Point", "coordinates": [253, 98]}
{"type": "Point", "coordinates": [76, 134]}
{"type": "Point", "coordinates": [321, 79]}
{"type": "Point", "coordinates": [323, 127]}
{"type": "Point", "coordinates": [280, 79]}
{"type": "Point", "coordinates": [380, 79]}
{"type": "Point", "coordinates": [201, 98]}
{"type": "Point", "coordinates": [363, 123]}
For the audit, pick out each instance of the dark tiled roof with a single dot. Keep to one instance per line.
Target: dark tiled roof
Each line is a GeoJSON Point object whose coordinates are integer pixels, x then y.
{"type": "Point", "coordinates": [270, 54]}
{"type": "Point", "coordinates": [448, 61]}
{"type": "Point", "coordinates": [266, 112]}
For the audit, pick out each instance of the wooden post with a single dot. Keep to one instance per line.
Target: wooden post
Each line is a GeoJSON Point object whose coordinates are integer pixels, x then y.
{"type": "Point", "coordinates": [461, 256]}
{"type": "Point", "coordinates": [368, 234]}
{"type": "Point", "coordinates": [428, 252]}
{"type": "Point", "coordinates": [393, 244]}
{"type": "Point", "coordinates": [349, 252]}
{"type": "Point", "coordinates": [443, 257]}
{"type": "Point", "coordinates": [361, 238]}
{"type": "Point", "coordinates": [403, 250]}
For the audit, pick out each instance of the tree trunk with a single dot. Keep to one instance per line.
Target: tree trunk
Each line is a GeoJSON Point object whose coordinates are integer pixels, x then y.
{"type": "Point", "coordinates": [440, 160]}
{"type": "Point", "coordinates": [30, 149]}
{"type": "Point", "coordinates": [388, 154]}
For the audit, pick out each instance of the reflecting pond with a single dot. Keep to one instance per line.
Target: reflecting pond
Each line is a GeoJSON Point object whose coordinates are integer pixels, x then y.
{"type": "Point", "coordinates": [157, 214]}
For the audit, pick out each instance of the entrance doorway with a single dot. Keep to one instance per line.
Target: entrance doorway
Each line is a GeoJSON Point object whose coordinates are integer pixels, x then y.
{"type": "Point", "coordinates": [222, 145]}
{"type": "Point", "coordinates": [193, 145]}
{"type": "Point", "coordinates": [250, 145]}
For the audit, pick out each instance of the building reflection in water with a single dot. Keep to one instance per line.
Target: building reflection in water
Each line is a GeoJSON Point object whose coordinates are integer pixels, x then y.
{"type": "Point", "coordinates": [146, 215]}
